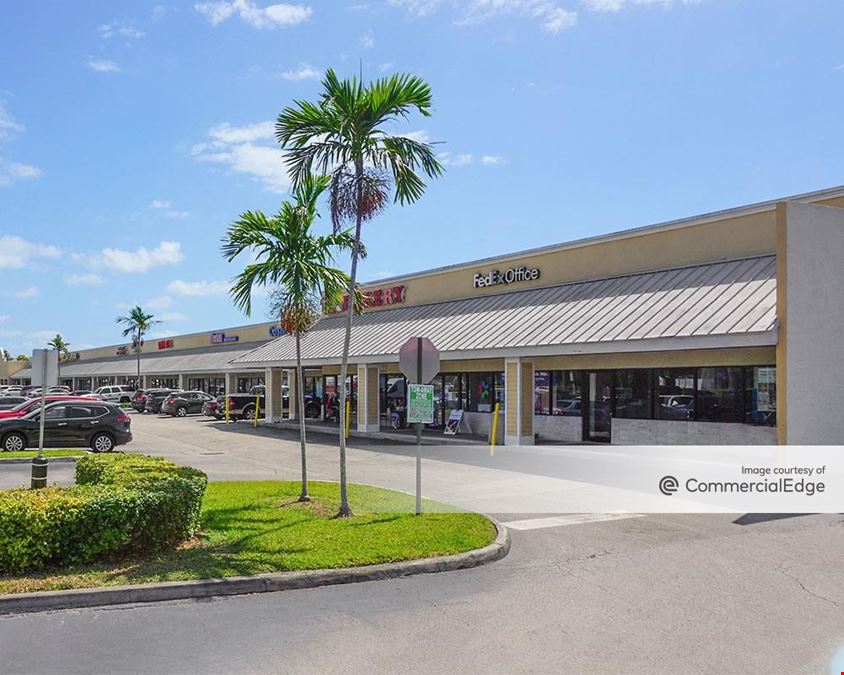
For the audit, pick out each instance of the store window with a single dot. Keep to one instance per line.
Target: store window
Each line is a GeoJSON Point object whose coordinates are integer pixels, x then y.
{"type": "Point", "coordinates": [761, 395]}
{"type": "Point", "coordinates": [720, 395]}
{"type": "Point", "coordinates": [481, 392]}
{"type": "Point", "coordinates": [452, 397]}
{"type": "Point", "coordinates": [500, 390]}
{"type": "Point", "coordinates": [244, 384]}
{"type": "Point", "coordinates": [632, 394]}
{"type": "Point", "coordinates": [675, 390]}
{"type": "Point", "coordinates": [566, 398]}
{"type": "Point", "coordinates": [542, 392]}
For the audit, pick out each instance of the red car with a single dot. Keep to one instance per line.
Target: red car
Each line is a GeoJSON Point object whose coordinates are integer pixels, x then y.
{"type": "Point", "coordinates": [34, 403]}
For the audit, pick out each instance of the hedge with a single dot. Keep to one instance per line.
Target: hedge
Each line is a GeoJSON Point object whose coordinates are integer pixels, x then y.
{"type": "Point", "coordinates": [121, 503]}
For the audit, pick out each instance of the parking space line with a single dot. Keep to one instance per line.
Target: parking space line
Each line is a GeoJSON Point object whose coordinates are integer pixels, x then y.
{"type": "Point", "coordinates": [573, 519]}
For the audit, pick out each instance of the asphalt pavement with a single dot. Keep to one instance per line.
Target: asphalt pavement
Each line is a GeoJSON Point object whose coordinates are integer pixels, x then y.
{"type": "Point", "coordinates": [648, 594]}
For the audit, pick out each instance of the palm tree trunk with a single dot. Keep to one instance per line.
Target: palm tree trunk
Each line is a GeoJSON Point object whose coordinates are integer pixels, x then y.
{"type": "Point", "coordinates": [345, 510]}
{"type": "Point", "coordinates": [300, 403]}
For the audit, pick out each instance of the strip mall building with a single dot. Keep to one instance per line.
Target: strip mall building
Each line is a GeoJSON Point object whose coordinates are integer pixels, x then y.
{"type": "Point", "coordinates": [724, 328]}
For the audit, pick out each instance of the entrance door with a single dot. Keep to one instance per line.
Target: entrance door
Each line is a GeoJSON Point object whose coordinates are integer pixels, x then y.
{"type": "Point", "coordinates": [597, 417]}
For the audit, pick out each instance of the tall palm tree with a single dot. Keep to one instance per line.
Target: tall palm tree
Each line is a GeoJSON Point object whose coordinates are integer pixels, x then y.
{"type": "Point", "coordinates": [345, 135]}
{"type": "Point", "coordinates": [63, 348]}
{"type": "Point", "coordinates": [299, 263]}
{"type": "Point", "coordinates": [137, 323]}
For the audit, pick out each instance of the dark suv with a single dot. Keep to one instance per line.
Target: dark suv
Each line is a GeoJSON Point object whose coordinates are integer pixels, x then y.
{"type": "Point", "coordinates": [185, 403]}
{"type": "Point", "coordinates": [155, 397]}
{"type": "Point", "coordinates": [68, 424]}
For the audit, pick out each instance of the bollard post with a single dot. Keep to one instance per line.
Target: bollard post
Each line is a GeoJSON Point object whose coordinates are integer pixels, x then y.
{"type": "Point", "coordinates": [228, 417]}
{"type": "Point", "coordinates": [39, 473]}
{"type": "Point", "coordinates": [494, 434]}
{"type": "Point", "coordinates": [257, 409]}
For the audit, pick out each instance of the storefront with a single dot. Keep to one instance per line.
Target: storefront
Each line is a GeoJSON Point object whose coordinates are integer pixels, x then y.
{"type": "Point", "coordinates": [675, 333]}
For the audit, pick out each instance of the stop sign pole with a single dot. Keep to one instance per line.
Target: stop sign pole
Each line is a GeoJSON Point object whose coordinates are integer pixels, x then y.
{"type": "Point", "coordinates": [419, 361]}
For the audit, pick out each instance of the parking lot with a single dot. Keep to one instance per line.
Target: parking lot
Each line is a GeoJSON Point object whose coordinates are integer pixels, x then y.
{"type": "Point", "coordinates": [658, 593]}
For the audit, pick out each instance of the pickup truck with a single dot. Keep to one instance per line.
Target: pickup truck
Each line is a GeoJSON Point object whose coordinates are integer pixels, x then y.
{"type": "Point", "coordinates": [241, 406]}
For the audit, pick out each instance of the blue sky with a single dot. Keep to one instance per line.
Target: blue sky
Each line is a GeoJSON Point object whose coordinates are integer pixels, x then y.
{"type": "Point", "coordinates": [133, 133]}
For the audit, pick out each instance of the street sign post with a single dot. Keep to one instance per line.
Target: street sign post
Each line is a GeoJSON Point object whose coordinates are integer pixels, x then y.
{"type": "Point", "coordinates": [45, 369]}
{"type": "Point", "coordinates": [420, 403]}
{"type": "Point", "coordinates": [419, 360]}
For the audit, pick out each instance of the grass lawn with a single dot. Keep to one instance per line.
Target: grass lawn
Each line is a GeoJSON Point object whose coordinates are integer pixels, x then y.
{"type": "Point", "coordinates": [47, 453]}
{"type": "Point", "coordinates": [258, 527]}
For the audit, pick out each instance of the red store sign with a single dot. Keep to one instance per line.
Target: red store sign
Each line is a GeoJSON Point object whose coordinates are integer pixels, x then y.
{"type": "Point", "coordinates": [380, 297]}
{"type": "Point", "coordinates": [165, 344]}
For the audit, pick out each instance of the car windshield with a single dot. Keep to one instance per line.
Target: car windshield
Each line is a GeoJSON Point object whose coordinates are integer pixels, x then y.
{"type": "Point", "coordinates": [23, 406]}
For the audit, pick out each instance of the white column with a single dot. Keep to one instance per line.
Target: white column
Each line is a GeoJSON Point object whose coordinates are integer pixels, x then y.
{"type": "Point", "coordinates": [231, 383]}
{"type": "Point", "coordinates": [182, 381]}
{"type": "Point", "coordinates": [292, 394]}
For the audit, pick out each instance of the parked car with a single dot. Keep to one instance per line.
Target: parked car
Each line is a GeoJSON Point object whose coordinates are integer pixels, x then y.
{"type": "Point", "coordinates": [155, 397]}
{"type": "Point", "coordinates": [81, 392]}
{"type": "Point", "coordinates": [117, 393]}
{"type": "Point", "coordinates": [69, 424]}
{"type": "Point", "coordinates": [676, 407]}
{"type": "Point", "coordinates": [31, 404]}
{"type": "Point", "coordinates": [58, 390]}
{"type": "Point", "coordinates": [242, 406]}
{"type": "Point", "coordinates": [9, 402]}
{"type": "Point", "coordinates": [28, 388]}
{"type": "Point", "coordinates": [139, 400]}
{"type": "Point", "coordinates": [185, 403]}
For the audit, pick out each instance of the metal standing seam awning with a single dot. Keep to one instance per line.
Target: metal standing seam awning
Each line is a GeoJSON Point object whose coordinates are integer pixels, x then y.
{"type": "Point", "coordinates": [722, 304]}
{"type": "Point", "coordinates": [206, 361]}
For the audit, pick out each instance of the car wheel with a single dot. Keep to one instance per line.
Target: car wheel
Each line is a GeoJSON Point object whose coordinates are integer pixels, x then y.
{"type": "Point", "coordinates": [249, 414]}
{"type": "Point", "coordinates": [102, 442]}
{"type": "Point", "coordinates": [181, 411]}
{"type": "Point", "coordinates": [14, 442]}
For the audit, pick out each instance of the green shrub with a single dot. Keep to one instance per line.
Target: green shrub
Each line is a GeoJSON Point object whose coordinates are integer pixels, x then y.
{"type": "Point", "coordinates": [120, 503]}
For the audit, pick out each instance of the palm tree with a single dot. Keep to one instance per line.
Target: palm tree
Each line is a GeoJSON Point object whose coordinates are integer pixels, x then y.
{"type": "Point", "coordinates": [137, 322]}
{"type": "Point", "coordinates": [301, 266]}
{"type": "Point", "coordinates": [344, 134]}
{"type": "Point", "coordinates": [63, 348]}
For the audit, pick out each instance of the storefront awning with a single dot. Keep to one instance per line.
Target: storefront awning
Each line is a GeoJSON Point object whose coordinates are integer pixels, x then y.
{"type": "Point", "coordinates": [723, 304]}
{"type": "Point", "coordinates": [210, 360]}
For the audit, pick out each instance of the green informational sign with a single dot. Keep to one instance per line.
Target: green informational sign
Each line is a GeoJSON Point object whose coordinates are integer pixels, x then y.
{"type": "Point", "coordinates": [420, 403]}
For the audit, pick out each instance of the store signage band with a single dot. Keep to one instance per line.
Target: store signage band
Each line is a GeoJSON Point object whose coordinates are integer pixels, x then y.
{"type": "Point", "coordinates": [513, 275]}
{"type": "Point", "coordinates": [380, 297]}
{"type": "Point", "coordinates": [220, 338]}
{"type": "Point", "coordinates": [277, 331]}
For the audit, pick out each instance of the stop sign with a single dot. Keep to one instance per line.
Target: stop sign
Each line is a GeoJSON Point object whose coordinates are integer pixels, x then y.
{"type": "Point", "coordinates": [410, 361]}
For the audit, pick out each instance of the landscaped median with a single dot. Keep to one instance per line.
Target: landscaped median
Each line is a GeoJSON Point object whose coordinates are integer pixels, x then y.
{"type": "Point", "coordinates": [51, 454]}
{"type": "Point", "coordinates": [256, 536]}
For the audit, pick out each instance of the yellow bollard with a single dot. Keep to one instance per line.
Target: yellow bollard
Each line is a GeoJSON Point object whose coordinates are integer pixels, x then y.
{"type": "Point", "coordinates": [348, 417]}
{"type": "Point", "coordinates": [228, 418]}
{"type": "Point", "coordinates": [257, 409]}
{"type": "Point", "coordinates": [494, 434]}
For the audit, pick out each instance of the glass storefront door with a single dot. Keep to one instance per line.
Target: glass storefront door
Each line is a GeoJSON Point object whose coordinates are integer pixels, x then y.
{"type": "Point", "coordinates": [597, 418]}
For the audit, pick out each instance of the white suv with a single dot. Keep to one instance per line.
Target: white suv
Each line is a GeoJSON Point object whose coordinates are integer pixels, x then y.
{"type": "Point", "coordinates": [116, 394]}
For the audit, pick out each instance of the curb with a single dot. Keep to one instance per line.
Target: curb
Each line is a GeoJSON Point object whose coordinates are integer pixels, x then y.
{"type": "Point", "coordinates": [28, 460]}
{"type": "Point", "coordinates": [261, 583]}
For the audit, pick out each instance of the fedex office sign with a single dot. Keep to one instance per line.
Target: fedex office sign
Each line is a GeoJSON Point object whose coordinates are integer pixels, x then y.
{"type": "Point", "coordinates": [513, 275]}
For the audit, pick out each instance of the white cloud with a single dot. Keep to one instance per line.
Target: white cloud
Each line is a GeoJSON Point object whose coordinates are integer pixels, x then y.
{"type": "Point", "coordinates": [367, 41]}
{"type": "Point", "coordinates": [164, 205]}
{"type": "Point", "coordinates": [4, 317]}
{"type": "Point", "coordinates": [8, 126]}
{"type": "Point", "coordinates": [11, 172]}
{"type": "Point", "coordinates": [269, 17]}
{"type": "Point", "coordinates": [618, 5]}
{"type": "Point", "coordinates": [27, 293]}
{"type": "Point", "coordinates": [120, 28]}
{"type": "Point", "coordinates": [449, 159]}
{"type": "Point", "coordinates": [142, 259]}
{"type": "Point", "coordinates": [492, 160]}
{"type": "Point", "coordinates": [548, 13]}
{"type": "Point", "coordinates": [237, 148]}
{"type": "Point", "coordinates": [160, 302]}
{"type": "Point", "coordinates": [418, 7]}
{"type": "Point", "coordinates": [158, 12]}
{"type": "Point", "coordinates": [87, 279]}
{"type": "Point", "coordinates": [226, 133]}
{"type": "Point", "coordinates": [421, 136]}
{"type": "Point", "coordinates": [16, 252]}
{"type": "Point", "coordinates": [198, 288]}
{"type": "Point", "coordinates": [103, 66]}
{"type": "Point", "coordinates": [303, 72]}
{"type": "Point", "coordinates": [384, 67]}
{"type": "Point", "coordinates": [171, 316]}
